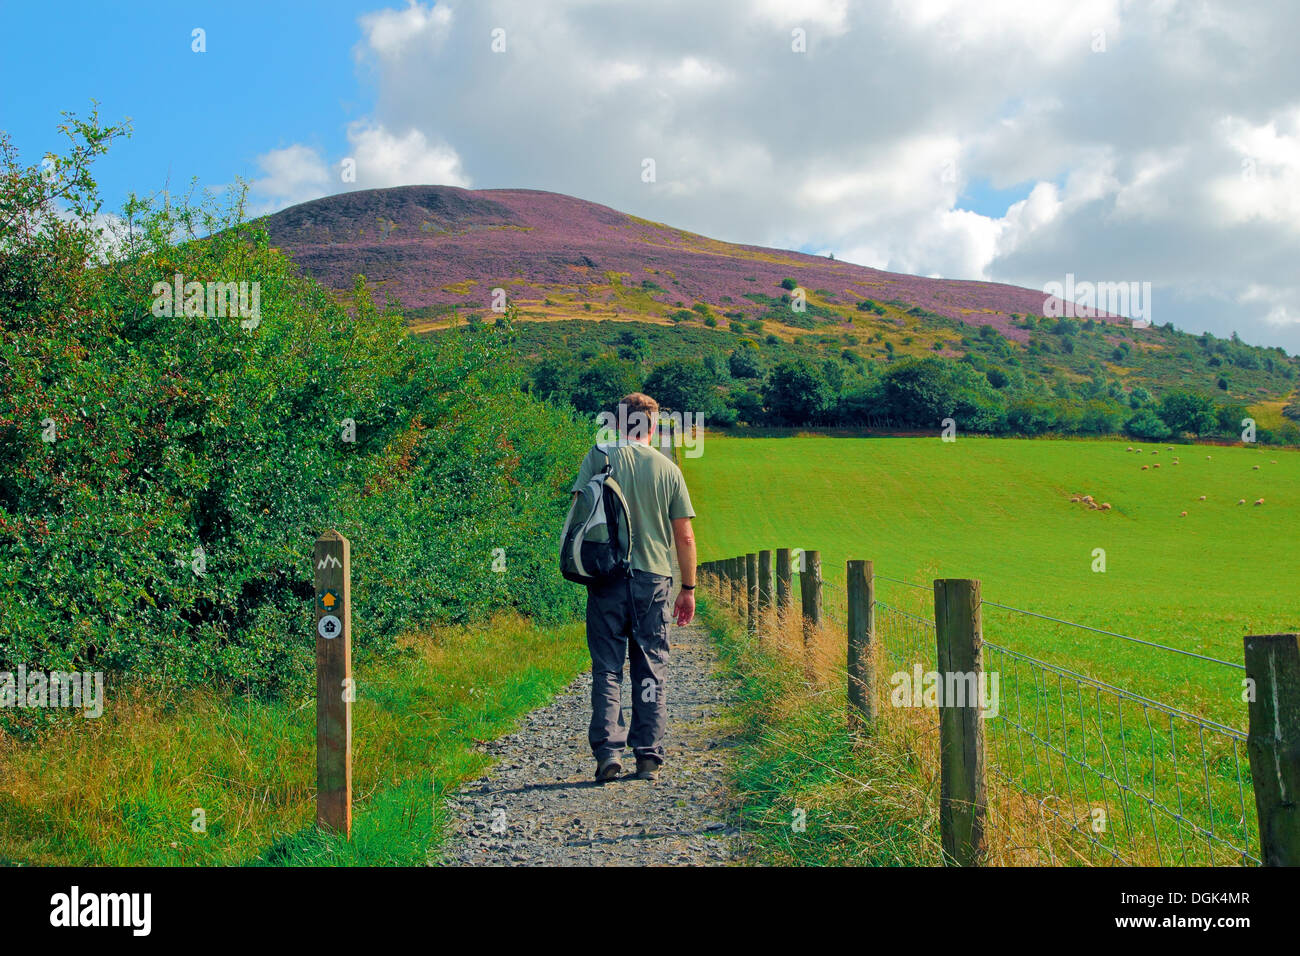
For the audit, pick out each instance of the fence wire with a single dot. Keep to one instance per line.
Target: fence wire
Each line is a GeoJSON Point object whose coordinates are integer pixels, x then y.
{"type": "Point", "coordinates": [1130, 780]}
{"type": "Point", "coordinates": [1104, 775]}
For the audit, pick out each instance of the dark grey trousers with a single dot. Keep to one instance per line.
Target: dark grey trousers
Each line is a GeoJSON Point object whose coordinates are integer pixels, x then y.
{"type": "Point", "coordinates": [629, 620]}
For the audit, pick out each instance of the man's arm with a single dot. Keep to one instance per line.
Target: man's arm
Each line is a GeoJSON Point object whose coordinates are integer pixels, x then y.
{"type": "Point", "coordinates": [684, 539]}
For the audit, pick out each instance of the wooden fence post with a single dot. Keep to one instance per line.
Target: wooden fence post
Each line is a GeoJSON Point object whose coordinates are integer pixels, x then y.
{"type": "Point", "coordinates": [764, 586]}
{"type": "Point", "coordinates": [963, 799]}
{"type": "Point", "coordinates": [783, 600]}
{"type": "Point", "coordinates": [751, 592]}
{"type": "Point", "coordinates": [810, 593]}
{"type": "Point", "coordinates": [1273, 668]}
{"type": "Point", "coordinates": [862, 638]}
{"type": "Point", "coordinates": [736, 571]}
{"type": "Point", "coordinates": [332, 560]}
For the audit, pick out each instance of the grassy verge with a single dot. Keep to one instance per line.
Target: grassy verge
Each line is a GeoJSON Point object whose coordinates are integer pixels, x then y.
{"type": "Point", "coordinates": [812, 792]}
{"type": "Point", "coordinates": [126, 789]}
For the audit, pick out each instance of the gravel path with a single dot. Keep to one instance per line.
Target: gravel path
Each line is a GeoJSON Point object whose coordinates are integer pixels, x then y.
{"type": "Point", "coordinates": [540, 806]}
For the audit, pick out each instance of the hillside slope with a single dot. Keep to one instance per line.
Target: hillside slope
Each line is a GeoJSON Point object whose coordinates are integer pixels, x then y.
{"type": "Point", "coordinates": [440, 251]}
{"type": "Point", "coordinates": [432, 246]}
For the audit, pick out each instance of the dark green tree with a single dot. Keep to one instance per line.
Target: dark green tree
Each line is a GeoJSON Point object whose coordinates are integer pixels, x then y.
{"type": "Point", "coordinates": [797, 394]}
{"type": "Point", "coordinates": [1187, 412]}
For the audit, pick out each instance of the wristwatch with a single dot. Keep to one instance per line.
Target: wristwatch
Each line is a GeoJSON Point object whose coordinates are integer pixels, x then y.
{"type": "Point", "coordinates": [688, 587]}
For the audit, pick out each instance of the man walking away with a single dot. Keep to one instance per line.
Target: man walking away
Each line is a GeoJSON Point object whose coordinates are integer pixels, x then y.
{"type": "Point", "coordinates": [630, 618]}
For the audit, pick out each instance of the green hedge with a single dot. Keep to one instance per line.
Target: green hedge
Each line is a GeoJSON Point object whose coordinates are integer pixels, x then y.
{"type": "Point", "coordinates": [172, 434]}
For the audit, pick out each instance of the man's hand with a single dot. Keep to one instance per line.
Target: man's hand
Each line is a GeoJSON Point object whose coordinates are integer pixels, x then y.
{"type": "Point", "coordinates": [684, 608]}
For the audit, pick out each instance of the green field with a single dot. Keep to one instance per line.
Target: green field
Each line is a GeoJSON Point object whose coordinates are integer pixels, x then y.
{"type": "Point", "coordinates": [999, 511]}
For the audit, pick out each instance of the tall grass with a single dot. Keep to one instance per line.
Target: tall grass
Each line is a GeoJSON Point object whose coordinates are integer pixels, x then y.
{"type": "Point", "coordinates": [123, 789]}
{"type": "Point", "coordinates": [810, 791]}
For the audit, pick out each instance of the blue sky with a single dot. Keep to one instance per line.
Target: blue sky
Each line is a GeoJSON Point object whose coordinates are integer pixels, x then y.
{"type": "Point", "coordinates": [274, 73]}
{"type": "Point", "coordinates": [1112, 141]}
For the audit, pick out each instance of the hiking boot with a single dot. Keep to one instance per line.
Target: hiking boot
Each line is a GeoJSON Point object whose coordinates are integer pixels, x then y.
{"type": "Point", "coordinates": [647, 768]}
{"type": "Point", "coordinates": [608, 769]}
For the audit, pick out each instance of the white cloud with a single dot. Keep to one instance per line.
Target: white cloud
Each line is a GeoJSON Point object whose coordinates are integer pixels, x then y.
{"type": "Point", "coordinates": [290, 175]}
{"type": "Point", "coordinates": [1130, 159]}
{"type": "Point", "coordinates": [379, 158]}
{"type": "Point", "coordinates": [830, 15]}
{"type": "Point", "coordinates": [385, 159]}
{"type": "Point", "coordinates": [389, 32]}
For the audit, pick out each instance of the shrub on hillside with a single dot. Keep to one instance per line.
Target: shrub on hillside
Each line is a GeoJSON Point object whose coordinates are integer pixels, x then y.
{"type": "Point", "coordinates": [1148, 426]}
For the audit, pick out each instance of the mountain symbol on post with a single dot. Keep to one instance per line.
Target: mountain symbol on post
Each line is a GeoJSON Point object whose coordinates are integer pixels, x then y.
{"type": "Point", "coordinates": [329, 561]}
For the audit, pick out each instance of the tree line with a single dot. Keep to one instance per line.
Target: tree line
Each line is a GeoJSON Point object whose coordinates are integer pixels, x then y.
{"type": "Point", "coordinates": [908, 393]}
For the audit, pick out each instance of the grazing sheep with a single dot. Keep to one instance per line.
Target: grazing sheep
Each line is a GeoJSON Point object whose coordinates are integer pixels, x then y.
{"type": "Point", "coordinates": [1202, 498]}
{"type": "Point", "coordinates": [1259, 501]}
{"type": "Point", "coordinates": [1207, 457]}
{"type": "Point", "coordinates": [1155, 451]}
{"type": "Point", "coordinates": [1272, 463]}
{"type": "Point", "coordinates": [1254, 467]}
{"type": "Point", "coordinates": [1074, 499]}
{"type": "Point", "coordinates": [1129, 448]}
{"type": "Point", "coordinates": [1144, 467]}
{"type": "Point", "coordinates": [1093, 505]}
{"type": "Point", "coordinates": [1157, 464]}
{"type": "Point", "coordinates": [1183, 515]}
{"type": "Point", "coordinates": [1086, 498]}
{"type": "Point", "coordinates": [1104, 506]}
{"type": "Point", "coordinates": [1241, 501]}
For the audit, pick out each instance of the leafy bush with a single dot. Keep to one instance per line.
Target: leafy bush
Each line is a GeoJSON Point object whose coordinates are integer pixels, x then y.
{"type": "Point", "coordinates": [684, 387]}
{"type": "Point", "coordinates": [164, 476]}
{"type": "Point", "coordinates": [797, 393]}
{"type": "Point", "coordinates": [1147, 425]}
{"type": "Point", "coordinates": [1186, 411]}
{"type": "Point", "coordinates": [744, 363]}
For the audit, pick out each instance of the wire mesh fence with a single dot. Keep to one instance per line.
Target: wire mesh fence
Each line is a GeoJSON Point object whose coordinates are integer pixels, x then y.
{"type": "Point", "coordinates": [1080, 770]}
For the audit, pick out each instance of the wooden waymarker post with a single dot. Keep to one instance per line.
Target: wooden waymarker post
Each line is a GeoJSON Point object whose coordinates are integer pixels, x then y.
{"type": "Point", "coordinates": [963, 797]}
{"type": "Point", "coordinates": [332, 564]}
{"type": "Point", "coordinates": [1273, 744]}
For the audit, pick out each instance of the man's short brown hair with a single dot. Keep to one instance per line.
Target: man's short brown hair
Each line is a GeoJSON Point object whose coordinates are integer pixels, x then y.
{"type": "Point", "coordinates": [640, 402]}
{"type": "Point", "coordinates": [637, 414]}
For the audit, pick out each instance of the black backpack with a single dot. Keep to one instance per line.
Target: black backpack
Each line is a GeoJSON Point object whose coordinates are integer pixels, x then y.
{"type": "Point", "coordinates": [596, 544]}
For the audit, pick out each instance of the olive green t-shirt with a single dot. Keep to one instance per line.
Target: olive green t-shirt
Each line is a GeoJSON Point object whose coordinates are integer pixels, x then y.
{"type": "Point", "coordinates": [656, 495]}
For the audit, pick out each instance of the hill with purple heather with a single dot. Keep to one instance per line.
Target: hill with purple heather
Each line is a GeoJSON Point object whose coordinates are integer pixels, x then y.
{"type": "Point", "coordinates": [439, 248]}
{"type": "Point", "coordinates": [586, 280]}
